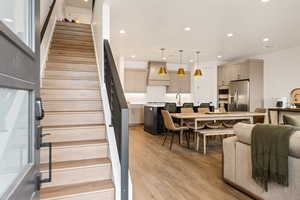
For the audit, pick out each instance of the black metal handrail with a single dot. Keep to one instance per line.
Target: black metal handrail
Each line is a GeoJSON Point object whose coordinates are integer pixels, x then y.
{"type": "Point", "coordinates": [93, 5]}
{"type": "Point", "coordinates": [45, 25]}
{"type": "Point", "coordinates": [119, 114]}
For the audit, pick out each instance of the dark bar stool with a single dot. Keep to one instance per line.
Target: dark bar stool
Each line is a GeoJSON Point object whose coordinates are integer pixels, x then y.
{"type": "Point", "coordinates": [188, 105]}
{"type": "Point", "coordinates": [171, 107]}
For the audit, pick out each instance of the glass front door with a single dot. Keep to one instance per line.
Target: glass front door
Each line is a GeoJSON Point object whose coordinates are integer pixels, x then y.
{"type": "Point", "coordinates": [19, 87]}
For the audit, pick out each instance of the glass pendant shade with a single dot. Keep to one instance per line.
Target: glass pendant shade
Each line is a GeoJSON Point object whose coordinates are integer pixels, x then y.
{"type": "Point", "coordinates": [162, 71]}
{"type": "Point", "coordinates": [198, 73]}
{"type": "Point", "coordinates": [180, 72]}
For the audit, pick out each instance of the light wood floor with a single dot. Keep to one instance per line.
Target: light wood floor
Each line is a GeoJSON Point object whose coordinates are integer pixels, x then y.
{"type": "Point", "coordinates": [180, 174]}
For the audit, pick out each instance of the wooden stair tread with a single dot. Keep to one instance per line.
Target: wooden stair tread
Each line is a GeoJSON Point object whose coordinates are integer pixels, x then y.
{"type": "Point", "coordinates": [63, 63]}
{"type": "Point", "coordinates": [73, 61]}
{"type": "Point", "coordinates": [71, 33]}
{"type": "Point", "coordinates": [75, 163]}
{"type": "Point", "coordinates": [68, 190]}
{"type": "Point", "coordinates": [72, 53]}
{"type": "Point", "coordinates": [59, 23]}
{"type": "Point", "coordinates": [69, 41]}
{"type": "Point", "coordinates": [70, 126]}
{"type": "Point", "coordinates": [79, 143]}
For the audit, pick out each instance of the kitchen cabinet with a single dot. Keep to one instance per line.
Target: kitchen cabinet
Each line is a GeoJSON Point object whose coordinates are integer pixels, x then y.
{"type": "Point", "coordinates": [136, 114]}
{"type": "Point", "coordinates": [179, 83]}
{"type": "Point", "coordinates": [135, 81]}
{"type": "Point", "coordinates": [234, 71]}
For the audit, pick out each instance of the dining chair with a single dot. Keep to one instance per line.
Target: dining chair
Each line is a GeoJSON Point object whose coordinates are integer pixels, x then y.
{"type": "Point", "coordinates": [187, 110]}
{"type": "Point", "coordinates": [190, 123]}
{"type": "Point", "coordinates": [203, 110]}
{"type": "Point", "coordinates": [188, 105]}
{"type": "Point", "coordinates": [259, 119]}
{"type": "Point", "coordinates": [173, 128]}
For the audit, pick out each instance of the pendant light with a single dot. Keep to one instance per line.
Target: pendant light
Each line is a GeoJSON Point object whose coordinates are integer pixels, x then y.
{"type": "Point", "coordinates": [162, 70]}
{"type": "Point", "coordinates": [198, 71]}
{"type": "Point", "coordinates": [180, 71]}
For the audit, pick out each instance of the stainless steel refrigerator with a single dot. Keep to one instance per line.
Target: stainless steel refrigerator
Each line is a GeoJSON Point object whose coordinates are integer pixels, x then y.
{"type": "Point", "coordinates": [239, 95]}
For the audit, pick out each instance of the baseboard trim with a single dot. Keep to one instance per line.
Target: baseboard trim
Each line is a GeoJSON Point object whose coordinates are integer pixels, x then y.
{"type": "Point", "coordinates": [241, 189]}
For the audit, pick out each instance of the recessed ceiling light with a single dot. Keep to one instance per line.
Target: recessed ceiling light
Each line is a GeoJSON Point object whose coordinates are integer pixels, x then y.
{"type": "Point", "coordinates": [229, 34]}
{"type": "Point", "coordinates": [86, 0]}
{"type": "Point", "coordinates": [219, 56]}
{"type": "Point", "coordinates": [133, 56]}
{"type": "Point", "coordinates": [267, 46]}
{"type": "Point", "coordinates": [191, 60]}
{"type": "Point", "coordinates": [265, 1]}
{"type": "Point", "coordinates": [164, 58]}
{"type": "Point", "coordinates": [122, 31]}
{"type": "Point", "coordinates": [187, 28]}
{"type": "Point", "coordinates": [266, 39]}
{"type": "Point", "coordinates": [8, 20]}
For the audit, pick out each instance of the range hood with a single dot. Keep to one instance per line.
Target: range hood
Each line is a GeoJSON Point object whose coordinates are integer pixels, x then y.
{"type": "Point", "coordinates": [154, 79]}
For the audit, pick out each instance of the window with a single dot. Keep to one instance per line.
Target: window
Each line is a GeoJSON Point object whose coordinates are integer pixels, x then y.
{"type": "Point", "coordinates": [15, 134]}
{"type": "Point", "coordinates": [17, 15]}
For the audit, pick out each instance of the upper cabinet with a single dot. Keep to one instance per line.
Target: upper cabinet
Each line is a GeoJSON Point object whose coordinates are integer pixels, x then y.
{"type": "Point", "coordinates": [179, 83]}
{"type": "Point", "coordinates": [135, 80]}
{"type": "Point", "coordinates": [235, 71]}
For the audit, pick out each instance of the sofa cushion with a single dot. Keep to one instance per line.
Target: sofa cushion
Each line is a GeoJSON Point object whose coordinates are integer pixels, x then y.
{"type": "Point", "coordinates": [244, 131]}
{"type": "Point", "coordinates": [291, 120]}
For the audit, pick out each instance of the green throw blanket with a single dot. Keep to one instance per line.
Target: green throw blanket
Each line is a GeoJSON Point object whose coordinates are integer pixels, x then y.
{"type": "Point", "coordinates": [270, 149]}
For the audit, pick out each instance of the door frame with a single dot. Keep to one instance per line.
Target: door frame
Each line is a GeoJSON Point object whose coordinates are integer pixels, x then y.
{"type": "Point", "coordinates": [18, 61]}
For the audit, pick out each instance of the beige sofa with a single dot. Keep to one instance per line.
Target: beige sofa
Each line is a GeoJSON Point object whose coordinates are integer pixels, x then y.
{"type": "Point", "coordinates": [237, 166]}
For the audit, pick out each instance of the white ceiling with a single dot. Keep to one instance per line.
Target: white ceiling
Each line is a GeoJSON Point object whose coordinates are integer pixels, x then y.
{"type": "Point", "coordinates": [153, 24]}
{"type": "Point", "coordinates": [79, 3]}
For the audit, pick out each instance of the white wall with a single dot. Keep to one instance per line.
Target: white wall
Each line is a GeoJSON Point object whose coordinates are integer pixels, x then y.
{"type": "Point", "coordinates": [57, 14]}
{"type": "Point", "coordinates": [281, 74]}
{"type": "Point", "coordinates": [44, 9]}
{"type": "Point", "coordinates": [203, 89]}
{"type": "Point", "coordinates": [84, 15]}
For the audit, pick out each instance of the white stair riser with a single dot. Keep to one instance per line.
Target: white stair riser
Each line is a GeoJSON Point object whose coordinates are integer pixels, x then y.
{"type": "Point", "coordinates": [49, 74]}
{"type": "Point", "coordinates": [71, 67]}
{"type": "Point", "coordinates": [74, 134]}
{"type": "Point", "coordinates": [66, 106]}
{"type": "Point", "coordinates": [78, 175]}
{"type": "Point", "coordinates": [48, 94]}
{"type": "Point", "coordinates": [61, 154]}
{"type": "Point", "coordinates": [70, 84]}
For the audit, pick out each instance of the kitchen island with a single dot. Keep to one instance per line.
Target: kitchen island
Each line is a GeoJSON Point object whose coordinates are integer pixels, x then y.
{"type": "Point", "coordinates": [153, 121]}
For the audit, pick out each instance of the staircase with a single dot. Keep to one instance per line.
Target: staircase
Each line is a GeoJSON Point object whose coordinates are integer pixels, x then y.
{"type": "Point", "coordinates": [74, 118]}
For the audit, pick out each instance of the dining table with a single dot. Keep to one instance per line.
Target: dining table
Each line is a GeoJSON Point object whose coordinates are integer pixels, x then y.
{"type": "Point", "coordinates": [214, 116]}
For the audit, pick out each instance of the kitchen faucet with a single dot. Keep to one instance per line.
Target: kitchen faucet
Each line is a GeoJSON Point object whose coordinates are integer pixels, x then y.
{"type": "Point", "coordinates": [178, 98]}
